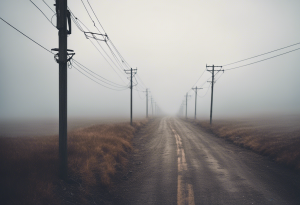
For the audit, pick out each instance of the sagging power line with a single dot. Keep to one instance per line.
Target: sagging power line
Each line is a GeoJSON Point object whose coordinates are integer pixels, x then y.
{"type": "Point", "coordinates": [213, 80]}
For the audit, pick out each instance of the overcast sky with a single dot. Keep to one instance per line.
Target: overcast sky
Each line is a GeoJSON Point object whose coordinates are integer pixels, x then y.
{"type": "Point", "coordinates": [169, 42]}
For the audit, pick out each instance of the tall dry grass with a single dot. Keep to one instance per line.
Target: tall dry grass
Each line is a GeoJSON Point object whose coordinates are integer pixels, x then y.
{"type": "Point", "coordinates": [280, 141]}
{"type": "Point", "coordinates": [29, 165]}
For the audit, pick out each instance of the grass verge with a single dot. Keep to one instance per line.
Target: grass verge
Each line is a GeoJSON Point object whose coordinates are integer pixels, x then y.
{"type": "Point", "coordinates": [29, 165]}
{"type": "Point", "coordinates": [279, 143]}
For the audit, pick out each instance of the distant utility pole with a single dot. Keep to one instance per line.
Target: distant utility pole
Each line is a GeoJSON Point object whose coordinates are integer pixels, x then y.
{"type": "Point", "coordinates": [131, 75]}
{"type": "Point", "coordinates": [63, 16]}
{"type": "Point", "coordinates": [147, 103]}
{"type": "Point", "coordinates": [196, 99]}
{"type": "Point", "coordinates": [186, 97]}
{"type": "Point", "coordinates": [152, 105]}
{"type": "Point", "coordinates": [212, 85]}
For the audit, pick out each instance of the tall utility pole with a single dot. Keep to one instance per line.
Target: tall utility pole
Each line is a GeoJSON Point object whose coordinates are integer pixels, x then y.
{"type": "Point", "coordinates": [131, 75]}
{"type": "Point", "coordinates": [62, 58]}
{"type": "Point", "coordinates": [212, 86]}
{"type": "Point", "coordinates": [196, 99]}
{"type": "Point", "coordinates": [186, 97]}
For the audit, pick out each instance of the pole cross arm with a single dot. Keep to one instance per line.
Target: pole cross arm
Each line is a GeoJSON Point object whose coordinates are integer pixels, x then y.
{"type": "Point", "coordinates": [96, 36]}
{"type": "Point", "coordinates": [215, 70]}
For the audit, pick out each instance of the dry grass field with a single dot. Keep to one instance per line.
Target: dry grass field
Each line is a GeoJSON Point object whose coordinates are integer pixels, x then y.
{"type": "Point", "coordinates": [29, 165]}
{"type": "Point", "coordinates": [277, 137]}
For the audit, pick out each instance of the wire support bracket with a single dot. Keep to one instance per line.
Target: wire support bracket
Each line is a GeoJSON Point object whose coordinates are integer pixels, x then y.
{"type": "Point", "coordinates": [96, 36]}
{"type": "Point", "coordinates": [56, 56]}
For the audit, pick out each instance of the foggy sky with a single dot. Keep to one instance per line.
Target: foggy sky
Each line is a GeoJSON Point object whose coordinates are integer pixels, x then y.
{"type": "Point", "coordinates": [169, 42]}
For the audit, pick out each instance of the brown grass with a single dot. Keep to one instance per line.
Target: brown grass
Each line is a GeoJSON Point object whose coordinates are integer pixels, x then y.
{"type": "Point", "coordinates": [279, 141]}
{"type": "Point", "coordinates": [29, 165]}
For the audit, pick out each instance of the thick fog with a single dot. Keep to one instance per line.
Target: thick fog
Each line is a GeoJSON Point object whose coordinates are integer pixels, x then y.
{"type": "Point", "coordinates": [169, 42]}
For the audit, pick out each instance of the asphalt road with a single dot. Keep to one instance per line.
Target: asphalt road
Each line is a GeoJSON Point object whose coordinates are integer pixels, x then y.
{"type": "Point", "coordinates": [178, 163]}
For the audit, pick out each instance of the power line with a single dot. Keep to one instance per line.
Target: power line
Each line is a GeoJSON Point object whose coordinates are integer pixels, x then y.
{"type": "Point", "coordinates": [262, 60]}
{"type": "Point", "coordinates": [119, 64]}
{"type": "Point", "coordinates": [138, 91]}
{"type": "Point", "coordinates": [104, 80]}
{"type": "Point", "coordinates": [204, 94]}
{"type": "Point", "coordinates": [98, 82]}
{"type": "Point", "coordinates": [219, 76]}
{"type": "Point", "coordinates": [76, 62]}
{"type": "Point", "coordinates": [77, 23]}
{"type": "Point", "coordinates": [114, 55]}
{"type": "Point", "coordinates": [123, 60]}
{"type": "Point", "coordinates": [42, 11]}
{"type": "Point", "coordinates": [26, 35]}
{"type": "Point", "coordinates": [198, 79]}
{"type": "Point", "coordinates": [262, 54]}
{"type": "Point", "coordinates": [90, 16]}
{"type": "Point", "coordinates": [96, 16]}
{"type": "Point", "coordinates": [48, 6]}
{"type": "Point", "coordinates": [141, 80]}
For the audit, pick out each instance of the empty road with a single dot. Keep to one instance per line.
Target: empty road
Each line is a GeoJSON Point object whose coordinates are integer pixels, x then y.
{"type": "Point", "coordinates": [175, 162]}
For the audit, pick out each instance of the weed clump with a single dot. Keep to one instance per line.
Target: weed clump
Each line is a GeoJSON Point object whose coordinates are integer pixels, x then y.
{"type": "Point", "coordinates": [29, 165]}
{"type": "Point", "coordinates": [280, 143]}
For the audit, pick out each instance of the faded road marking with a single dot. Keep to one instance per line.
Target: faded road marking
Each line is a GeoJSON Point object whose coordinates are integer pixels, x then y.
{"type": "Point", "coordinates": [185, 192]}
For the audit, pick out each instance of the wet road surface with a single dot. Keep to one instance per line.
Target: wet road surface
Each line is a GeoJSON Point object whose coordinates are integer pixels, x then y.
{"type": "Point", "coordinates": [178, 163]}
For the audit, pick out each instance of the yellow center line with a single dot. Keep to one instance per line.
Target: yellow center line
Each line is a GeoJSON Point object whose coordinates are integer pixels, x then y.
{"type": "Point", "coordinates": [185, 192]}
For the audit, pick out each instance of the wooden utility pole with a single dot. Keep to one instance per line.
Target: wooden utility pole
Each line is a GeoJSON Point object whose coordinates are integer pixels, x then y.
{"type": "Point", "coordinates": [132, 72]}
{"type": "Point", "coordinates": [152, 105]}
{"type": "Point", "coordinates": [61, 12]}
{"type": "Point", "coordinates": [212, 86]}
{"type": "Point", "coordinates": [186, 97]}
{"type": "Point", "coordinates": [196, 99]}
{"type": "Point", "coordinates": [147, 103]}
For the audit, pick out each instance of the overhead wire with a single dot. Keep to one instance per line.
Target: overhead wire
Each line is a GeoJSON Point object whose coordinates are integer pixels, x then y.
{"type": "Point", "coordinates": [41, 12]}
{"type": "Point", "coordinates": [25, 35]}
{"type": "Point", "coordinates": [113, 54]}
{"type": "Point", "coordinates": [123, 60]}
{"type": "Point", "coordinates": [104, 80]}
{"type": "Point", "coordinates": [121, 57]}
{"type": "Point", "coordinates": [204, 94]}
{"type": "Point", "coordinates": [98, 82]}
{"type": "Point", "coordinates": [77, 23]}
{"type": "Point", "coordinates": [48, 6]}
{"type": "Point", "coordinates": [95, 16]}
{"type": "Point", "coordinates": [141, 81]}
{"type": "Point", "coordinates": [262, 60]}
{"type": "Point", "coordinates": [90, 16]}
{"type": "Point", "coordinates": [76, 63]}
{"type": "Point", "coordinates": [261, 54]}
{"type": "Point", "coordinates": [139, 94]}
